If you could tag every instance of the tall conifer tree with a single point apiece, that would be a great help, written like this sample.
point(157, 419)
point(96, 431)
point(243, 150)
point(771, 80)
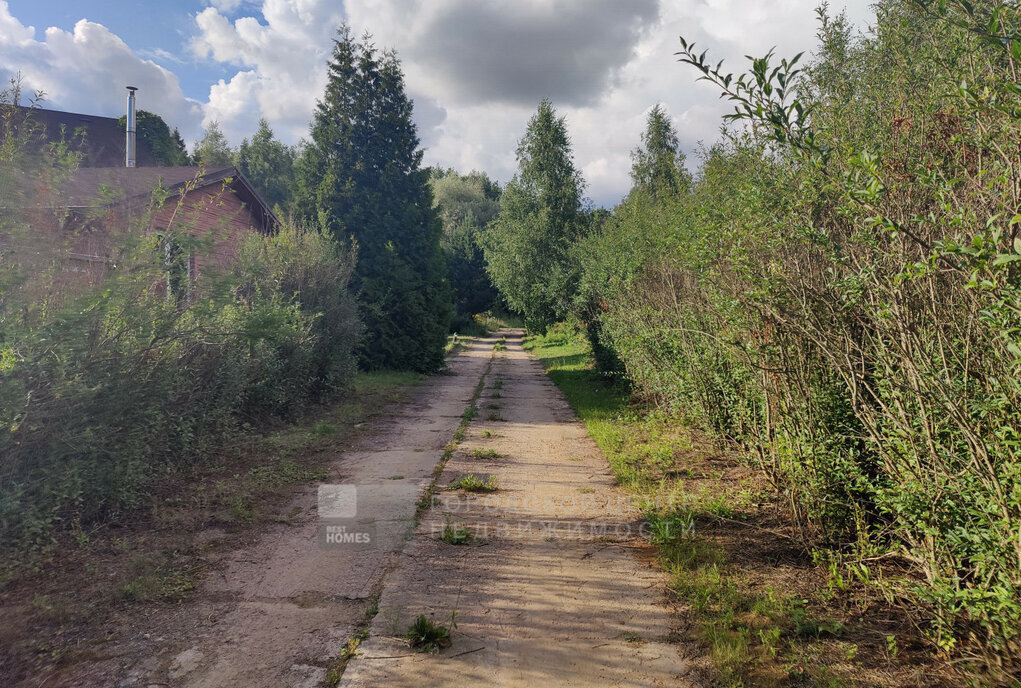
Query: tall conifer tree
point(360, 177)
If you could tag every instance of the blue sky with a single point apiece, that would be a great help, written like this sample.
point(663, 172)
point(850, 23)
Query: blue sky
point(476, 69)
point(156, 30)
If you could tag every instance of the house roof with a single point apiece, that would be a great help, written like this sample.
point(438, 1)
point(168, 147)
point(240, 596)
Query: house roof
point(104, 137)
point(90, 187)
point(133, 187)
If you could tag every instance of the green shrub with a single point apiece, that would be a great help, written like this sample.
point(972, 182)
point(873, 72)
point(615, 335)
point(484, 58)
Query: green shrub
point(104, 390)
point(840, 293)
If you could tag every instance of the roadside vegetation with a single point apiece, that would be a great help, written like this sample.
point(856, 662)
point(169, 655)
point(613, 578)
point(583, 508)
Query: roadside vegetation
point(111, 390)
point(835, 296)
point(815, 337)
point(110, 387)
point(768, 612)
point(101, 575)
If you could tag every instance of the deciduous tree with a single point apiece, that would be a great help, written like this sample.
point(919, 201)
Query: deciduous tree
point(467, 204)
point(658, 164)
point(528, 248)
point(269, 165)
point(167, 146)
point(212, 150)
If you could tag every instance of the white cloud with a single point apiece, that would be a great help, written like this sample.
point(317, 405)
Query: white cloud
point(226, 6)
point(282, 60)
point(475, 68)
point(482, 128)
point(86, 70)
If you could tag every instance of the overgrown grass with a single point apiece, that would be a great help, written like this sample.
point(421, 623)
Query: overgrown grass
point(456, 343)
point(754, 636)
point(234, 487)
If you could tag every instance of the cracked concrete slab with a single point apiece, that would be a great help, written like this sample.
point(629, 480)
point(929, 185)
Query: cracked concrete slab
point(557, 587)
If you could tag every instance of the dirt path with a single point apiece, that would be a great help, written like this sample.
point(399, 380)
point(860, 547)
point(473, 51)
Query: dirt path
point(556, 589)
point(298, 602)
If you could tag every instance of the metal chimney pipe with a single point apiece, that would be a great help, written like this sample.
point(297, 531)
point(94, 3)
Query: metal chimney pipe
point(129, 145)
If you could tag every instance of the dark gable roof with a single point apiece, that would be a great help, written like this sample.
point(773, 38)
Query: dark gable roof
point(93, 187)
point(104, 137)
point(103, 180)
point(129, 188)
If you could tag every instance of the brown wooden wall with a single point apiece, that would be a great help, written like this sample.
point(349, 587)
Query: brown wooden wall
point(68, 252)
point(214, 213)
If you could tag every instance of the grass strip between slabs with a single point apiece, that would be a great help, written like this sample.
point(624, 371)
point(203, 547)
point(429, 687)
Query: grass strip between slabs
point(361, 632)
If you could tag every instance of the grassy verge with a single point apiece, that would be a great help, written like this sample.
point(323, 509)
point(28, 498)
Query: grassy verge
point(766, 613)
point(248, 482)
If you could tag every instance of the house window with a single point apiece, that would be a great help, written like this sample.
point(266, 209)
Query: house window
point(179, 265)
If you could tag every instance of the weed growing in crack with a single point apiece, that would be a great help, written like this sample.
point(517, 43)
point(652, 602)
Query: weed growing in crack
point(485, 454)
point(427, 636)
point(455, 535)
point(473, 483)
point(336, 672)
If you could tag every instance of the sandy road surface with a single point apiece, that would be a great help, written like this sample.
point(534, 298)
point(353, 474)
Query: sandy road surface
point(558, 587)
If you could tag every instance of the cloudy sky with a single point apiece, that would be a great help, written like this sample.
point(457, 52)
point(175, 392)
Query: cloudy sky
point(476, 69)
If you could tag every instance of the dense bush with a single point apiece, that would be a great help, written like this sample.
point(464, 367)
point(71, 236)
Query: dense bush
point(105, 390)
point(841, 293)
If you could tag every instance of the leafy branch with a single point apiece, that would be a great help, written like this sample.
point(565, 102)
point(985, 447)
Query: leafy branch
point(765, 95)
